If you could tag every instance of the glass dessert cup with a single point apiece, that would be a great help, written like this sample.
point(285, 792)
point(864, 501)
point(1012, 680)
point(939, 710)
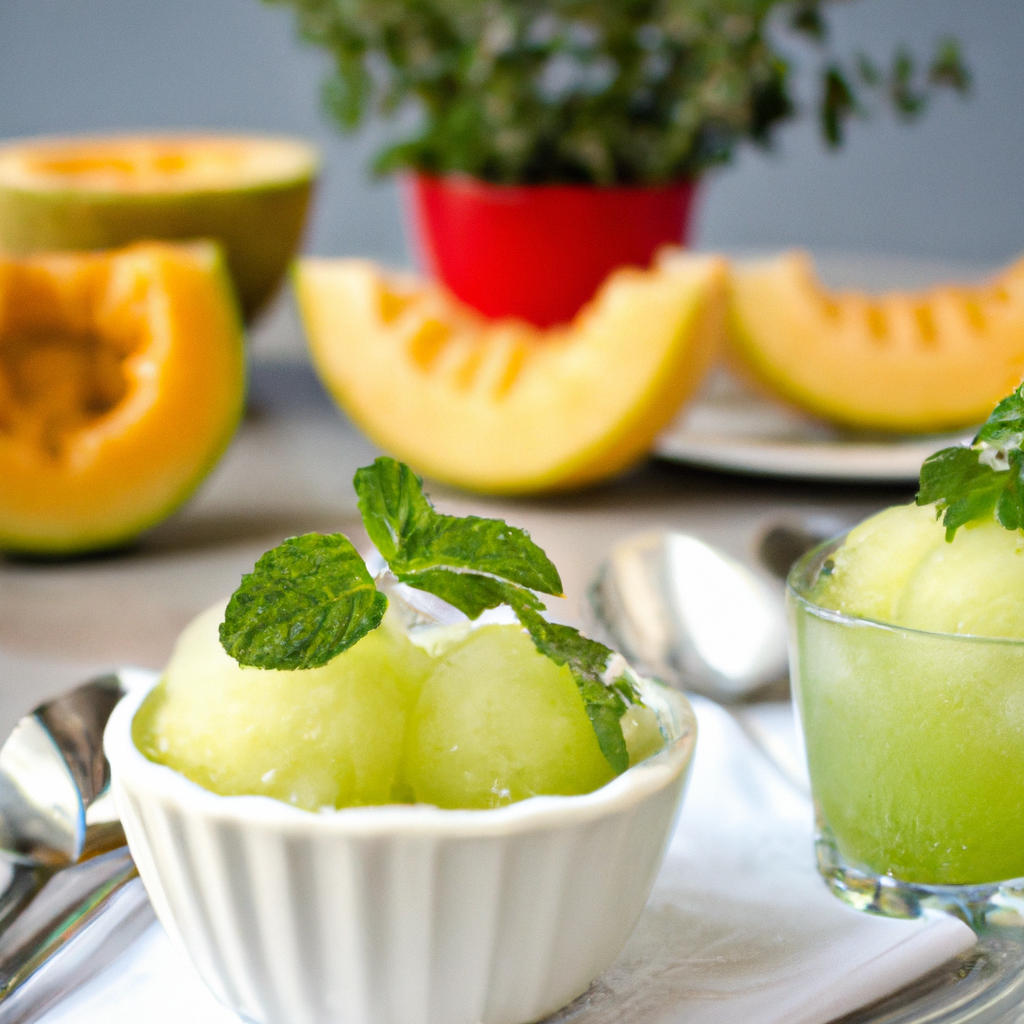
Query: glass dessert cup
point(915, 750)
point(405, 912)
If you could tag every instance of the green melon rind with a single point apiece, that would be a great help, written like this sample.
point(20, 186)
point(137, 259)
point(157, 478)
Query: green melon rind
point(259, 226)
point(93, 541)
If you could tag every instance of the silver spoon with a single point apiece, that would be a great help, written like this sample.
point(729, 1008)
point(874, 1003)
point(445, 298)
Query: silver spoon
point(688, 613)
point(684, 611)
point(54, 779)
point(73, 888)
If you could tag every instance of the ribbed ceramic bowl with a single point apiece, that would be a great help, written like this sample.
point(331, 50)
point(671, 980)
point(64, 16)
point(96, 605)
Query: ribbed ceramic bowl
point(400, 914)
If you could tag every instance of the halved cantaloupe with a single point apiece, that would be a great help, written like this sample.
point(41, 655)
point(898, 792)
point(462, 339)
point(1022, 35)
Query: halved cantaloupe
point(248, 193)
point(500, 406)
point(122, 380)
point(904, 361)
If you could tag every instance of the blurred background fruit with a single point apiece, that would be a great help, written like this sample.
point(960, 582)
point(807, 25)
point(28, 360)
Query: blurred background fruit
point(248, 193)
point(499, 406)
point(121, 383)
point(932, 360)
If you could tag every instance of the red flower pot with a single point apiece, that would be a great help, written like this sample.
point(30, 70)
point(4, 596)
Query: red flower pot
point(539, 252)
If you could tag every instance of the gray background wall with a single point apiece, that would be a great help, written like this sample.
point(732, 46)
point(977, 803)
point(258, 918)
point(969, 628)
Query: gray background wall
point(948, 188)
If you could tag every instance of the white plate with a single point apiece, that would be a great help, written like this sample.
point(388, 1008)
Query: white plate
point(729, 427)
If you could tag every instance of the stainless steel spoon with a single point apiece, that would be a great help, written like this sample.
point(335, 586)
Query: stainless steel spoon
point(73, 900)
point(688, 613)
point(52, 773)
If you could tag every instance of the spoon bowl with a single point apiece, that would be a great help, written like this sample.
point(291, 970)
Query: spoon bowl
point(54, 780)
point(685, 612)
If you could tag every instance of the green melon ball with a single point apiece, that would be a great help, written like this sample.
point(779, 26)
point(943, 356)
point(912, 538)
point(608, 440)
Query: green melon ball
point(974, 585)
point(498, 722)
point(897, 567)
point(873, 567)
point(324, 737)
point(642, 732)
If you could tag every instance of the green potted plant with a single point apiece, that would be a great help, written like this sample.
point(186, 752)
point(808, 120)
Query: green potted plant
point(552, 140)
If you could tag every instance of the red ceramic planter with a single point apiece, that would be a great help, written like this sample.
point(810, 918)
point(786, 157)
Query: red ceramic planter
point(539, 252)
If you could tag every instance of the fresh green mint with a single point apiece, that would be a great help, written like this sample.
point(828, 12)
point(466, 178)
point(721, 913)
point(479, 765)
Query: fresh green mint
point(969, 484)
point(305, 602)
point(415, 539)
point(311, 597)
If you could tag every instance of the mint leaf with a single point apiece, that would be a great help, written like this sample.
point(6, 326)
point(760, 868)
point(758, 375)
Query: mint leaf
point(1010, 506)
point(414, 538)
point(588, 661)
point(305, 602)
point(471, 593)
point(962, 487)
point(968, 484)
point(1005, 427)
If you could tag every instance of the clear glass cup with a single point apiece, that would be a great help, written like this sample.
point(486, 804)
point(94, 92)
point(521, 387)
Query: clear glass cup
point(915, 748)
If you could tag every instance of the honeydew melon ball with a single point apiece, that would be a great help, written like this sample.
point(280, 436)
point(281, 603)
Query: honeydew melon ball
point(974, 585)
point(897, 567)
point(873, 567)
point(323, 737)
point(497, 722)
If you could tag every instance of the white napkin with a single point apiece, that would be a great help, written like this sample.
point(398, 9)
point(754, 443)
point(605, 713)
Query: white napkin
point(739, 926)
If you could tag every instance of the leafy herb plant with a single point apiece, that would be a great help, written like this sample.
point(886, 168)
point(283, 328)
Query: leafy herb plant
point(969, 484)
point(312, 597)
point(592, 91)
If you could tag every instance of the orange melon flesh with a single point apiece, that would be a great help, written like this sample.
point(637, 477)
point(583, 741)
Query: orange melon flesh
point(500, 406)
point(121, 382)
point(923, 361)
point(250, 194)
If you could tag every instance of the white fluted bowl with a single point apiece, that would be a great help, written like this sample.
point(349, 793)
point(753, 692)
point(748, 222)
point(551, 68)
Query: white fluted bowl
point(400, 914)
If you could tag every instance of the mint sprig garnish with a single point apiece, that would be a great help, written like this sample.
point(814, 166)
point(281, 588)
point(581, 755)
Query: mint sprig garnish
point(311, 597)
point(305, 602)
point(968, 484)
point(413, 537)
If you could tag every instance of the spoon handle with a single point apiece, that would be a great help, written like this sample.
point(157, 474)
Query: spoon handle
point(79, 922)
point(26, 881)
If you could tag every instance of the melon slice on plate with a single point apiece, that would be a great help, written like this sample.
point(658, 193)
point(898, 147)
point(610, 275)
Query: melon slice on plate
point(249, 193)
point(937, 359)
point(122, 379)
point(497, 405)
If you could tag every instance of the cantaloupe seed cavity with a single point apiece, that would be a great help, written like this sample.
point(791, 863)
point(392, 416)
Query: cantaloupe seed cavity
point(57, 380)
point(55, 384)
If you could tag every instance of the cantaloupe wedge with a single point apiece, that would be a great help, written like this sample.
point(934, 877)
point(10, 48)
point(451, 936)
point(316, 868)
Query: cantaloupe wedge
point(904, 361)
point(500, 406)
